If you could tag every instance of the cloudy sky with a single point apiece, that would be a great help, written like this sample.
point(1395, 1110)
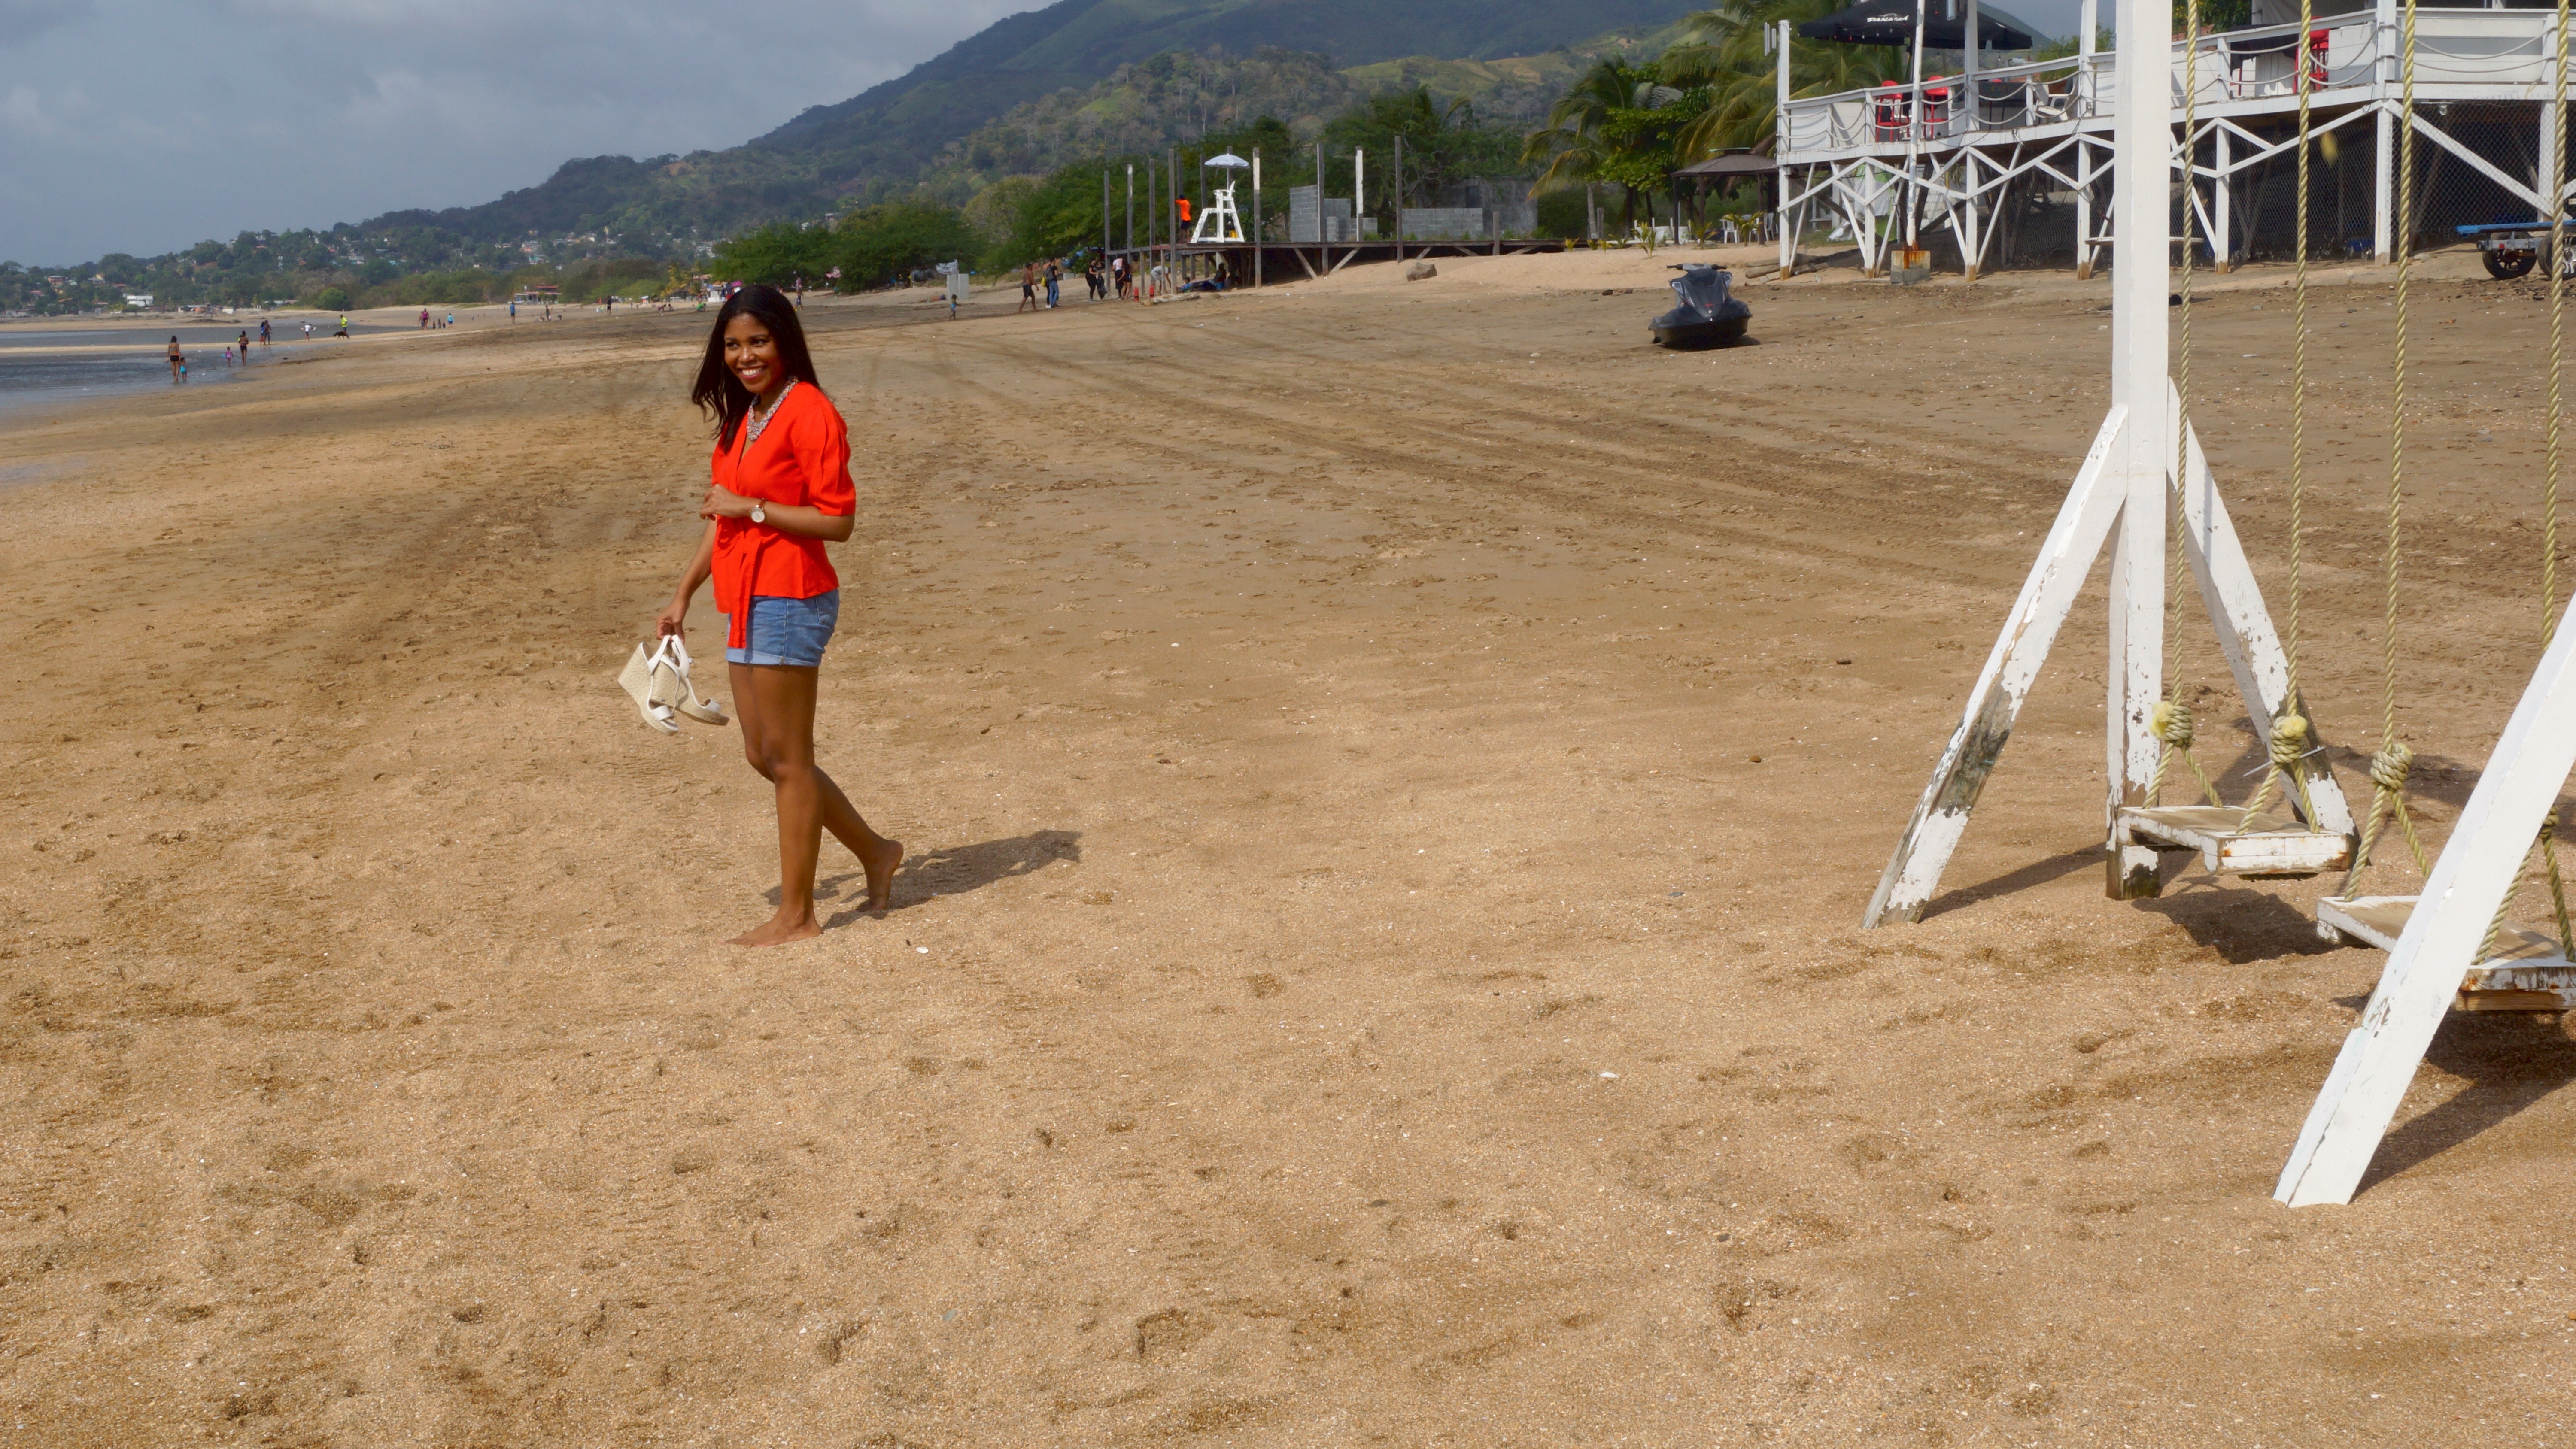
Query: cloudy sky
point(147, 125)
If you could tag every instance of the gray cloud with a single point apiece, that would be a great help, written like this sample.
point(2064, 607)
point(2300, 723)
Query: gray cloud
point(24, 20)
point(129, 125)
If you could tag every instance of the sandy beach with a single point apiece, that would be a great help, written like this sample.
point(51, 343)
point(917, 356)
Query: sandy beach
point(1392, 774)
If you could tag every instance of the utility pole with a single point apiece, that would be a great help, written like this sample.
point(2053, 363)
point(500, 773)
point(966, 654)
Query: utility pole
point(1256, 217)
point(1323, 228)
point(1399, 197)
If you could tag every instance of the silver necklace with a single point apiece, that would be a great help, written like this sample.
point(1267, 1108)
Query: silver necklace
point(760, 419)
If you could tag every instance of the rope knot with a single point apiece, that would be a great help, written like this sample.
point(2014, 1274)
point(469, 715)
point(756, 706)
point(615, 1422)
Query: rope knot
point(2170, 721)
point(2388, 768)
point(2289, 742)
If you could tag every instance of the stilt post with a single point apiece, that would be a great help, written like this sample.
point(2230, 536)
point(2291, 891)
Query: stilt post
point(2222, 249)
point(1779, 148)
point(2383, 123)
point(2088, 23)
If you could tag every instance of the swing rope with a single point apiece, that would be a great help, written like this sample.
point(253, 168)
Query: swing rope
point(2182, 377)
point(2549, 488)
point(2299, 378)
point(2393, 760)
point(2289, 742)
point(2557, 317)
point(2170, 721)
point(2546, 843)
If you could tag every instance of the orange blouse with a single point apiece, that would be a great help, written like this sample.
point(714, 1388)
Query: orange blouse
point(802, 459)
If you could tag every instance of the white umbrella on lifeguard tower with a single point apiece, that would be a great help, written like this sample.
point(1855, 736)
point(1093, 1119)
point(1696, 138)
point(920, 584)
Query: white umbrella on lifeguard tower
point(1221, 222)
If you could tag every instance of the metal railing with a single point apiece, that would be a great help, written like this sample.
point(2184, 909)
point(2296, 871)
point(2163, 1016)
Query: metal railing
point(2498, 52)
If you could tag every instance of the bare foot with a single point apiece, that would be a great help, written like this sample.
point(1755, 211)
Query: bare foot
point(780, 929)
point(880, 869)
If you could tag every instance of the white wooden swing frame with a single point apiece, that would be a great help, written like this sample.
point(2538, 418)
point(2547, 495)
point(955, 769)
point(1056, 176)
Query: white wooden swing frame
point(2119, 498)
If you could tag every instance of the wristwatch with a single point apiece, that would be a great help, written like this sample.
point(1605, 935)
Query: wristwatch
point(757, 516)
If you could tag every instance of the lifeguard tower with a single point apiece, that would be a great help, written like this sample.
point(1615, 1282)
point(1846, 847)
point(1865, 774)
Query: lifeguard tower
point(1221, 223)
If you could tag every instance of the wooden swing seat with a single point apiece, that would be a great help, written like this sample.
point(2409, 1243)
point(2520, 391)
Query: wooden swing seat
point(2527, 972)
point(2271, 845)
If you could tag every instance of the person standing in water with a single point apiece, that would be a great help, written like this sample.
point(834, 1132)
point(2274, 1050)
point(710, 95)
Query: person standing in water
point(780, 491)
point(178, 359)
point(263, 332)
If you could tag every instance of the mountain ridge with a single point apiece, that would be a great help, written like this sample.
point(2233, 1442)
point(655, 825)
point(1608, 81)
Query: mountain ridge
point(884, 140)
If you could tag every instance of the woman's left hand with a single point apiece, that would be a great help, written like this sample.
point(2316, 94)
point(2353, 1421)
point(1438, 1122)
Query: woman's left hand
point(725, 503)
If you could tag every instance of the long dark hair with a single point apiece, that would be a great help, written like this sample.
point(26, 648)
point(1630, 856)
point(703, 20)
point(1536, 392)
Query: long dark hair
point(718, 391)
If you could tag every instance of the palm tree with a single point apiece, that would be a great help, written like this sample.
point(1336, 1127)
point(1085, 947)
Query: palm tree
point(1440, 139)
point(1722, 49)
point(1616, 126)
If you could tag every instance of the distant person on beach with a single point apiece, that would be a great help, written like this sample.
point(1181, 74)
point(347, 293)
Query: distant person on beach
point(308, 331)
point(800, 293)
point(514, 309)
point(245, 346)
point(344, 326)
point(424, 319)
point(178, 360)
point(1055, 280)
point(263, 332)
point(780, 491)
point(1094, 286)
point(1028, 290)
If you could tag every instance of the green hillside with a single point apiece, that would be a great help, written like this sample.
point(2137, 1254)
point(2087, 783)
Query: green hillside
point(1022, 98)
point(1174, 98)
point(889, 138)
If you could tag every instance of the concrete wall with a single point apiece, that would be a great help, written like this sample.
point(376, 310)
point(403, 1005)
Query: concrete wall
point(1307, 221)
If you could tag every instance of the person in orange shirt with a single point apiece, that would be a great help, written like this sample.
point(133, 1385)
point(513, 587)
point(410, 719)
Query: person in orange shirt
point(780, 490)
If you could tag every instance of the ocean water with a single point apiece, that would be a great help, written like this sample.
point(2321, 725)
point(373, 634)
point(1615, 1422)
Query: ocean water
point(60, 365)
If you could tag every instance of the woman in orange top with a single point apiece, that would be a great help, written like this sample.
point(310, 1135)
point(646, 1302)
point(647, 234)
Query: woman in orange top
point(781, 490)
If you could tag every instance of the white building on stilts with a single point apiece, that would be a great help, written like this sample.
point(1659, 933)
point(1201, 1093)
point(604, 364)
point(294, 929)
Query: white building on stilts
point(2010, 164)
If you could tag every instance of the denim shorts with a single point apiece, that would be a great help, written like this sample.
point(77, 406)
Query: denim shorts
point(788, 631)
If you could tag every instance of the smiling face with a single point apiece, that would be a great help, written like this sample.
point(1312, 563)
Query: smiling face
point(752, 353)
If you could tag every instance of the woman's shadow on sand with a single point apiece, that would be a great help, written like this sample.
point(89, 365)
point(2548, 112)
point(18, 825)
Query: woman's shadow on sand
point(955, 870)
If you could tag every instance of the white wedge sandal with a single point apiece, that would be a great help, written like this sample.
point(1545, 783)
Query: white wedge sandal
point(639, 679)
point(671, 684)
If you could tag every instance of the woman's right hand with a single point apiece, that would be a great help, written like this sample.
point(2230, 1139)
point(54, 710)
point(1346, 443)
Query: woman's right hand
point(674, 620)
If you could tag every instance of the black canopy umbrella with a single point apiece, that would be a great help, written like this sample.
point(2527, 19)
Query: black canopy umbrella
point(1891, 22)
